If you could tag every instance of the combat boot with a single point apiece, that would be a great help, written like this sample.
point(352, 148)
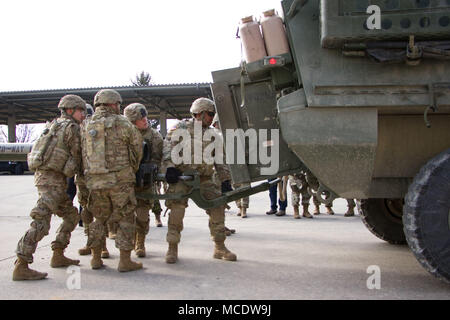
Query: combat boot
point(229, 232)
point(330, 211)
point(112, 230)
point(125, 262)
point(306, 213)
point(158, 221)
point(22, 272)
point(172, 253)
point(59, 260)
point(140, 245)
point(105, 252)
point(271, 211)
point(96, 261)
point(221, 252)
point(316, 211)
point(240, 212)
point(244, 212)
point(349, 213)
point(296, 213)
point(281, 213)
point(85, 251)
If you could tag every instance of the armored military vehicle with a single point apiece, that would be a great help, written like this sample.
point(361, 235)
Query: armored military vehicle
point(362, 101)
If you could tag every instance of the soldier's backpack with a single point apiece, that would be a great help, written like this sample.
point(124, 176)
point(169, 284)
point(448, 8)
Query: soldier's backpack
point(48, 151)
point(95, 145)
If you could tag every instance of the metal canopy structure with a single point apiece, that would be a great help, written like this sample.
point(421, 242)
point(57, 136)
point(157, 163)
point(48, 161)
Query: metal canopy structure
point(41, 106)
point(162, 101)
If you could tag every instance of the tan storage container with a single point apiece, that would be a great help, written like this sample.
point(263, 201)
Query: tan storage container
point(252, 41)
point(274, 33)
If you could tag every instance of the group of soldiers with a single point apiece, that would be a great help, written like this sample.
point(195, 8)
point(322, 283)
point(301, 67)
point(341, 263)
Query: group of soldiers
point(304, 186)
point(104, 152)
point(301, 185)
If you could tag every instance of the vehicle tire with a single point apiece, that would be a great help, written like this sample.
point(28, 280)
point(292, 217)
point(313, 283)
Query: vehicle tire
point(383, 217)
point(18, 169)
point(426, 216)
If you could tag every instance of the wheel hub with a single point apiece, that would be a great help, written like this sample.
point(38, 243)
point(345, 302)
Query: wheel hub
point(395, 208)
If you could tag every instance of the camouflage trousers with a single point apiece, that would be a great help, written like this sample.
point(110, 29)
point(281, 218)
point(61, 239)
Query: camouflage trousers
point(317, 203)
point(143, 216)
point(117, 205)
point(86, 216)
point(351, 203)
point(297, 192)
point(156, 209)
point(244, 202)
point(177, 208)
point(52, 199)
point(305, 196)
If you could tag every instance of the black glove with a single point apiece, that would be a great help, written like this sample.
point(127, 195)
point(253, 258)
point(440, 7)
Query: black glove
point(172, 175)
point(226, 186)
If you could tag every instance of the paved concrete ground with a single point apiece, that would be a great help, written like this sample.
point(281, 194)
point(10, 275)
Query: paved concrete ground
point(278, 258)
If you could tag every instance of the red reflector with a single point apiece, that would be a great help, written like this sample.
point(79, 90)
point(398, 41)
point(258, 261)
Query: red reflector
point(273, 61)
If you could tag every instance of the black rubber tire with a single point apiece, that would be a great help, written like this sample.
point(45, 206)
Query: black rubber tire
point(381, 221)
point(426, 216)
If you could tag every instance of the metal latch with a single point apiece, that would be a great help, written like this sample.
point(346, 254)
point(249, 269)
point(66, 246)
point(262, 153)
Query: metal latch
point(433, 104)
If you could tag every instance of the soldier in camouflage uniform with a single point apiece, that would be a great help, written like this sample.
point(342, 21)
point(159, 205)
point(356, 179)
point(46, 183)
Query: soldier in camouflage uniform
point(86, 215)
point(112, 150)
point(203, 111)
point(156, 209)
point(299, 186)
point(350, 208)
point(328, 207)
point(136, 113)
point(61, 160)
point(314, 183)
point(242, 204)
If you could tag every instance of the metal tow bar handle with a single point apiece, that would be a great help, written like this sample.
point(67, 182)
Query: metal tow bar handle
point(192, 179)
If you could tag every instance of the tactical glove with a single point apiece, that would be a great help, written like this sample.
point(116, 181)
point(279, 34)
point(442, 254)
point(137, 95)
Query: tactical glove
point(172, 175)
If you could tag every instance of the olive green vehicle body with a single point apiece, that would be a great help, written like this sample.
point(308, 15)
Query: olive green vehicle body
point(358, 125)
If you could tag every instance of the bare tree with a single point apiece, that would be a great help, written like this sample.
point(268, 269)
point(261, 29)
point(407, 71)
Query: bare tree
point(2, 135)
point(25, 133)
point(144, 79)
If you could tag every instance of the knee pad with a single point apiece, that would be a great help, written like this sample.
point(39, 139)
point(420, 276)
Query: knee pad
point(39, 229)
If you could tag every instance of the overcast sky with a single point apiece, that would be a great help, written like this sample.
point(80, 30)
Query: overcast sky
point(49, 44)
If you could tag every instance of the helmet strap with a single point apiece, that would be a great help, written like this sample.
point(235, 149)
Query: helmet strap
point(64, 112)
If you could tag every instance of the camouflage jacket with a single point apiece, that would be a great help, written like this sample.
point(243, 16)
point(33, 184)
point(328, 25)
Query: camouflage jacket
point(155, 141)
point(72, 144)
point(111, 149)
point(205, 166)
point(298, 180)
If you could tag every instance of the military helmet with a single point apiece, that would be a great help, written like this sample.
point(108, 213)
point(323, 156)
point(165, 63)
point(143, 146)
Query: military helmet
point(107, 96)
point(71, 101)
point(135, 112)
point(202, 104)
point(89, 109)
